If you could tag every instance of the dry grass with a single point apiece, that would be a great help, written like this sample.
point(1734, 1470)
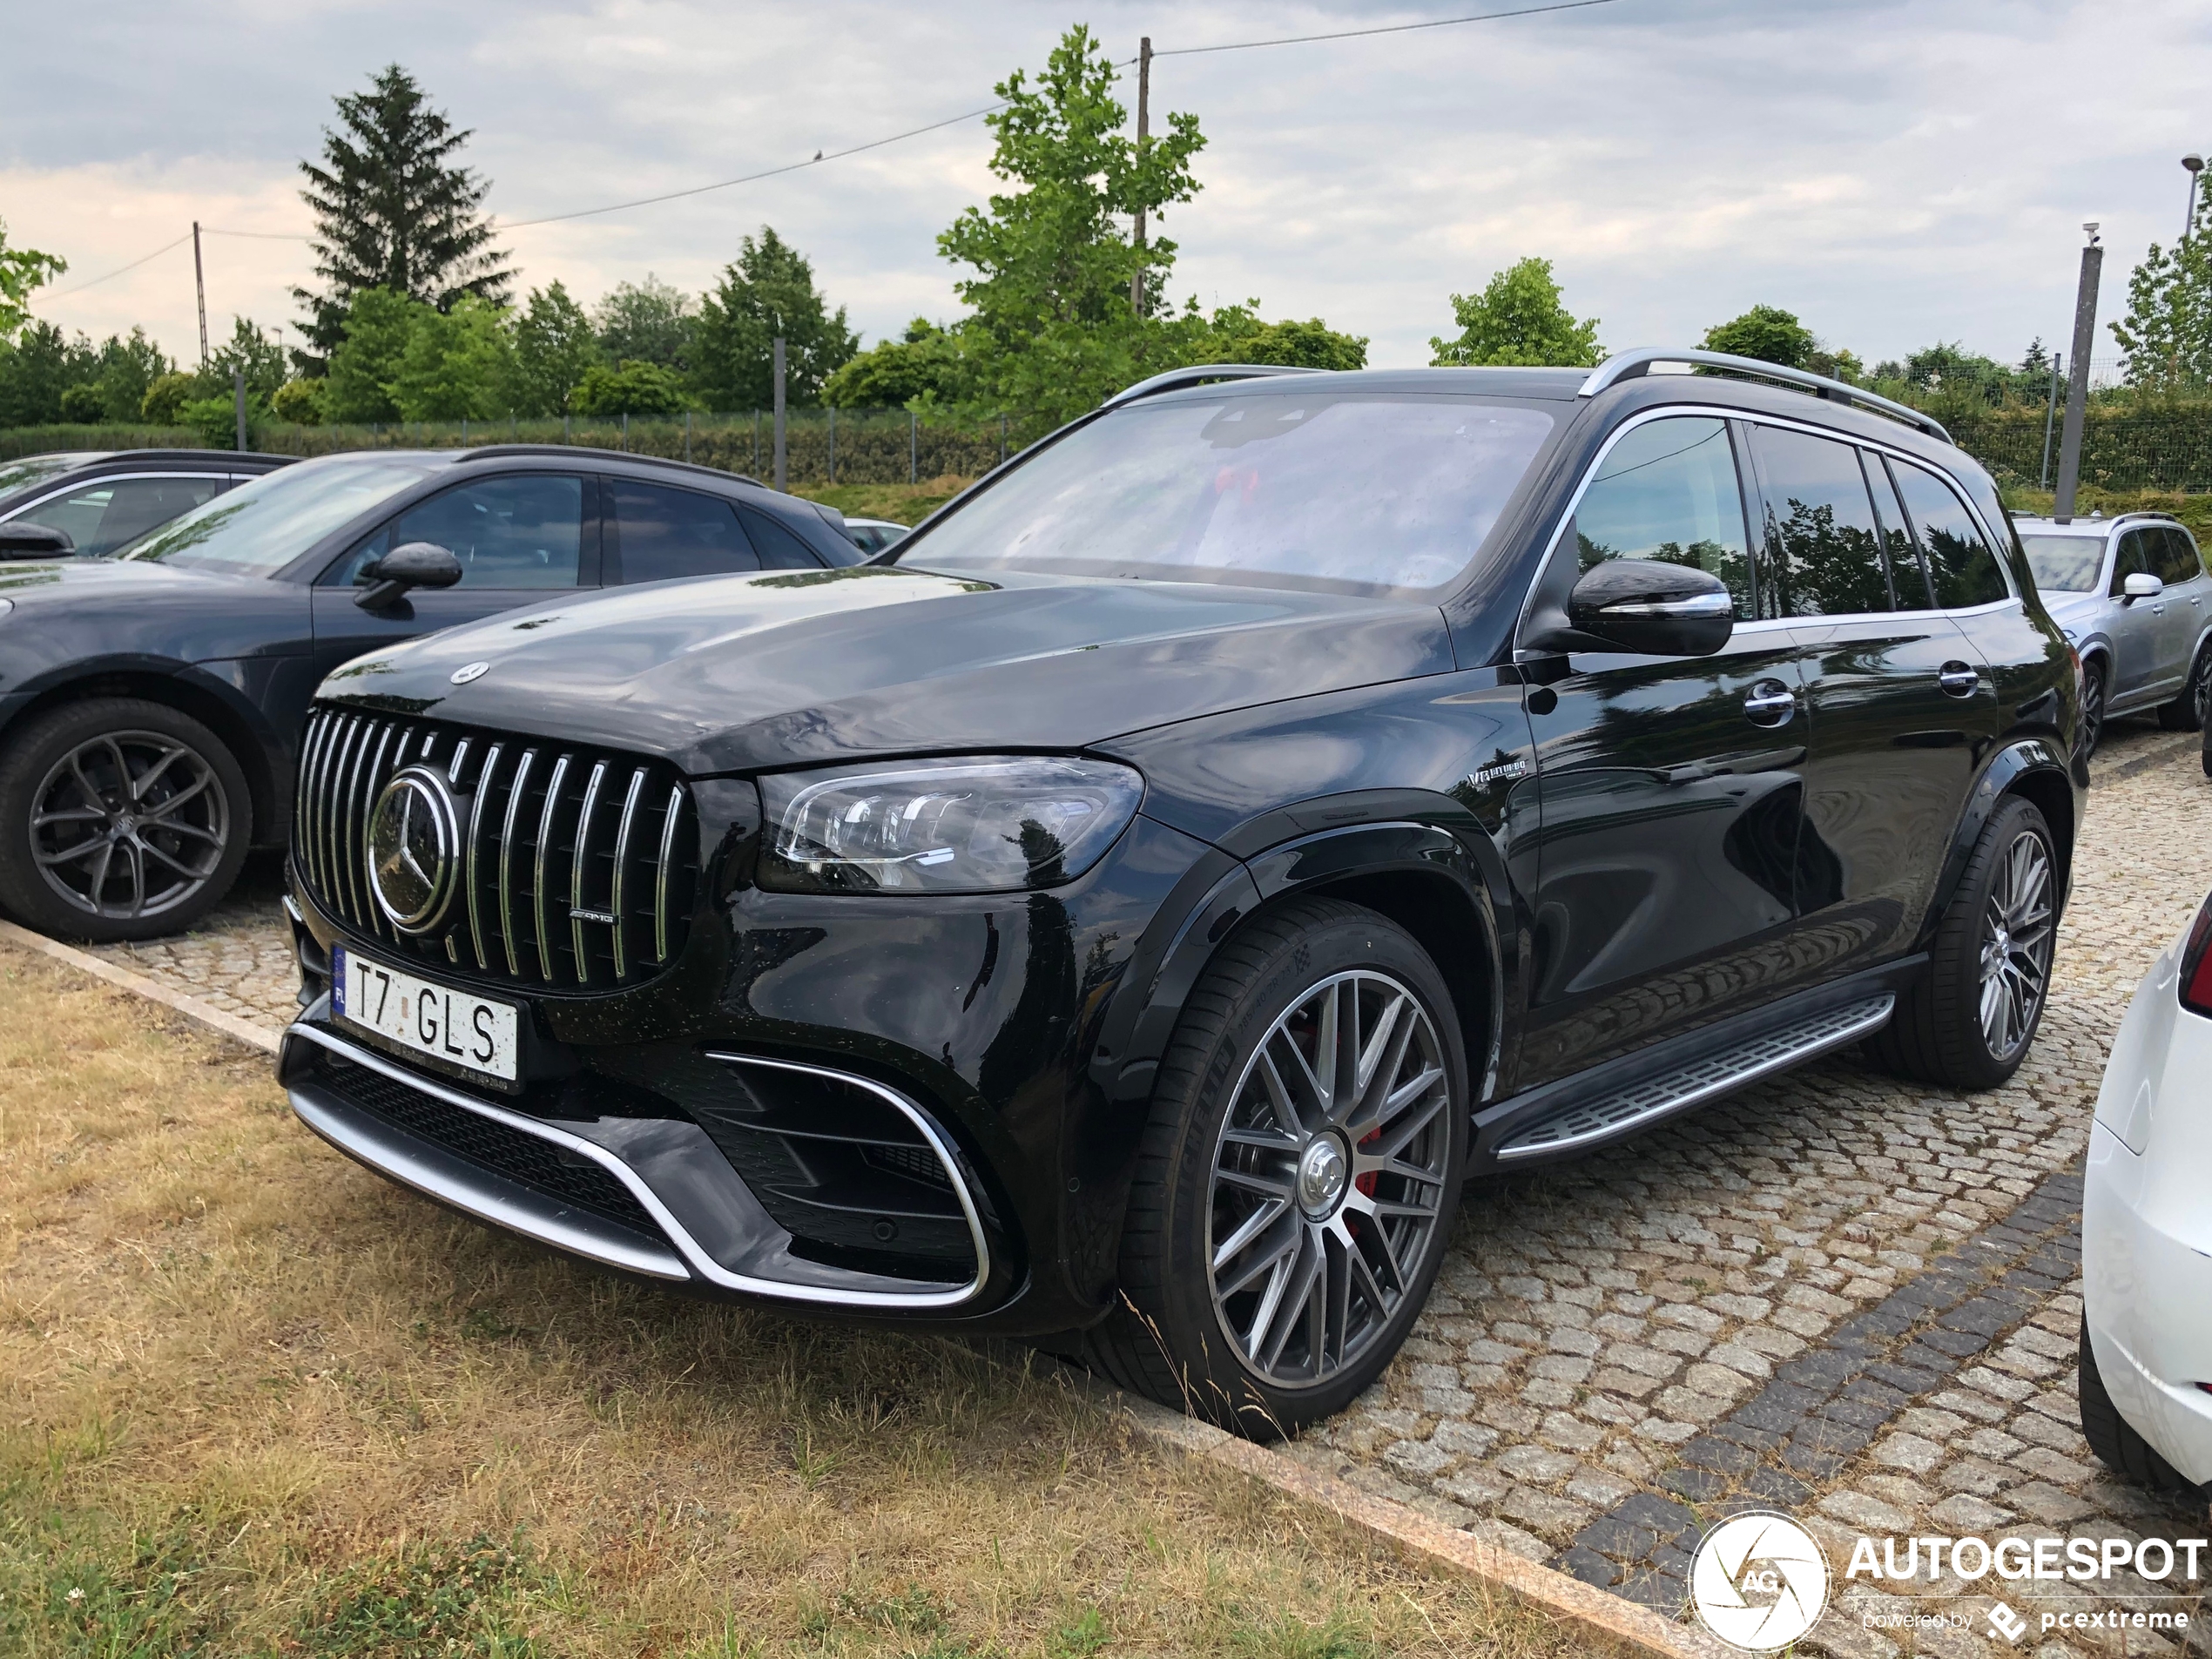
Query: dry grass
point(900, 503)
point(254, 1401)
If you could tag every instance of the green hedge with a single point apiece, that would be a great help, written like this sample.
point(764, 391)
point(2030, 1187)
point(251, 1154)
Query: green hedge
point(19, 440)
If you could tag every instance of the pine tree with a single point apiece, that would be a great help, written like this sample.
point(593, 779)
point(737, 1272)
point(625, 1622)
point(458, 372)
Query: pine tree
point(393, 212)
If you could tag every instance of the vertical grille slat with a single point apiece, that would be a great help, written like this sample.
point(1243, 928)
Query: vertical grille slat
point(524, 808)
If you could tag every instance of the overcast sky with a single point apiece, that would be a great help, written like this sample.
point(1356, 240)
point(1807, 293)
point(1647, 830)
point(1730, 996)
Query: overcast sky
point(1896, 171)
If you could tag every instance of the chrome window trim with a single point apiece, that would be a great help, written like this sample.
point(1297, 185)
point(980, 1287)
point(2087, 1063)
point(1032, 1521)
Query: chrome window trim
point(694, 1258)
point(1716, 412)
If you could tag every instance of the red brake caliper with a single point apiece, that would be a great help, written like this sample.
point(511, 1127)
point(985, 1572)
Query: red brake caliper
point(1367, 1183)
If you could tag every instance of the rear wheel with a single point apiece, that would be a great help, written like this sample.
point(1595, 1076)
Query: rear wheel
point(1968, 1021)
point(2117, 1445)
point(120, 818)
point(2092, 704)
point(1298, 1178)
point(2188, 711)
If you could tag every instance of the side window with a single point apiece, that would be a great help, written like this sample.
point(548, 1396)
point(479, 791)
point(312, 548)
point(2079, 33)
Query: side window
point(780, 549)
point(2133, 559)
point(523, 531)
point(1668, 490)
point(663, 533)
point(1907, 579)
point(2181, 562)
point(1962, 568)
point(103, 516)
point(1826, 554)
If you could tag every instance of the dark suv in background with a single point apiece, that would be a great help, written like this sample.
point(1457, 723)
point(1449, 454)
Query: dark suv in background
point(93, 502)
point(1125, 911)
point(151, 702)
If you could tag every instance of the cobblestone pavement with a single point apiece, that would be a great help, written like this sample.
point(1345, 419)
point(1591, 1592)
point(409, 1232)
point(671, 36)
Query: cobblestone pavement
point(1848, 1297)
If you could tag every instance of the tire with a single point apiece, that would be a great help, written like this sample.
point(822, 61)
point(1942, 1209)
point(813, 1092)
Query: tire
point(2127, 1453)
point(1183, 1334)
point(2092, 704)
point(119, 819)
point(1946, 1029)
point(2187, 712)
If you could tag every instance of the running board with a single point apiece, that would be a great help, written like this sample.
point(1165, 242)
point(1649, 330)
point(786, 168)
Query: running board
point(1701, 1080)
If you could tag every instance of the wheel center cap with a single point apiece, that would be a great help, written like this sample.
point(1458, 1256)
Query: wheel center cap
point(1321, 1172)
point(2002, 945)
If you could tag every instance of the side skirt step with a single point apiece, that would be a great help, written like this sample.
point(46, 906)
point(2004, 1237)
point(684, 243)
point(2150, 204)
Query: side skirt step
point(1684, 1086)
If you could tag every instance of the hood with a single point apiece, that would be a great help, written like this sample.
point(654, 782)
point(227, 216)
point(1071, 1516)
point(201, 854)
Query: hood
point(2080, 611)
point(68, 611)
point(728, 674)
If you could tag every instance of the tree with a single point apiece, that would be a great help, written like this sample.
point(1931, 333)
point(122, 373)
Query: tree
point(2167, 332)
point(125, 368)
point(1767, 333)
point(554, 349)
point(164, 401)
point(22, 270)
point(767, 291)
point(456, 365)
point(250, 349)
point(300, 401)
point(925, 363)
point(36, 370)
point(1239, 336)
point(650, 322)
point(365, 367)
point(394, 211)
point(1053, 330)
point(630, 388)
point(1518, 319)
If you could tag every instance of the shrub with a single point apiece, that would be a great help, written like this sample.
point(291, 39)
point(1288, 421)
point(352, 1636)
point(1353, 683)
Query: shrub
point(166, 399)
point(299, 402)
point(216, 421)
point(632, 388)
point(82, 404)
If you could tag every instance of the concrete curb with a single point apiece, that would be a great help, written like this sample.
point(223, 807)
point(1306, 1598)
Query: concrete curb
point(204, 1014)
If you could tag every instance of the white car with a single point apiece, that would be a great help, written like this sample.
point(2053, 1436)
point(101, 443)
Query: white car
point(874, 535)
point(2145, 1377)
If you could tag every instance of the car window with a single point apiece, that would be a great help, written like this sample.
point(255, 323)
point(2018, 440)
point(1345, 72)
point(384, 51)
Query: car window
point(1907, 580)
point(2065, 563)
point(1667, 491)
point(2180, 562)
point(2131, 560)
point(522, 531)
point(1334, 491)
point(36, 469)
point(663, 534)
point(1961, 566)
point(1825, 558)
point(779, 545)
point(258, 527)
point(102, 515)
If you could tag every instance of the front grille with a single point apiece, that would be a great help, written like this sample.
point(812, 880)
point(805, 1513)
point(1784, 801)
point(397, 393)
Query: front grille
point(491, 1145)
point(576, 871)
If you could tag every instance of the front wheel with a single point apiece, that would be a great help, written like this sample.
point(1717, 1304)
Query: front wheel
point(1299, 1176)
point(120, 818)
point(2189, 712)
point(1969, 1021)
point(2092, 704)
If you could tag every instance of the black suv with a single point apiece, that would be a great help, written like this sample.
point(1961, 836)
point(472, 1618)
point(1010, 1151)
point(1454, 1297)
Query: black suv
point(1124, 913)
point(151, 702)
point(93, 502)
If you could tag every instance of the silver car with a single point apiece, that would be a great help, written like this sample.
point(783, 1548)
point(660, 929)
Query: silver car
point(2132, 595)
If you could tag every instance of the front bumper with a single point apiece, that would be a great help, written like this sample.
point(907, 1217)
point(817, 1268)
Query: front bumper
point(2146, 1224)
point(970, 1026)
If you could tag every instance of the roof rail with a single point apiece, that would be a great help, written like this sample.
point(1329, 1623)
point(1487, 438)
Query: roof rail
point(1630, 365)
point(508, 451)
point(1198, 375)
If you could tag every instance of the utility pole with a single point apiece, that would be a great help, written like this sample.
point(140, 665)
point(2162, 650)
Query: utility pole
point(2077, 390)
point(1143, 132)
point(2196, 164)
point(199, 281)
point(780, 411)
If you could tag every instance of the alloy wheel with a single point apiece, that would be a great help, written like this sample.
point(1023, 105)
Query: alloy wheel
point(2016, 940)
point(2093, 709)
point(1328, 1179)
point(128, 823)
point(2200, 691)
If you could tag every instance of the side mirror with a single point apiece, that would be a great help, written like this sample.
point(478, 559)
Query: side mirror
point(1646, 607)
point(23, 541)
point(412, 564)
point(2141, 586)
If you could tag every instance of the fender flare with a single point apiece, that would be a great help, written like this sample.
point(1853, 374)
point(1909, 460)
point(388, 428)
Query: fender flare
point(1999, 776)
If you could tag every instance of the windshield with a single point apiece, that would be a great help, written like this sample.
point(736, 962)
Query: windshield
point(33, 469)
point(2065, 563)
point(1343, 493)
point(261, 527)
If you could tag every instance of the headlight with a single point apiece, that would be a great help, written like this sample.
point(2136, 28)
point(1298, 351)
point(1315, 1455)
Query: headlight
point(984, 824)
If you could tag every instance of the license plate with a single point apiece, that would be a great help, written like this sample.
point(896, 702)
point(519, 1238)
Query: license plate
point(456, 1026)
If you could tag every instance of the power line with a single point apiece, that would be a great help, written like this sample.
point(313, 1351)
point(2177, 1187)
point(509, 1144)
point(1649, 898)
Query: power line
point(62, 292)
point(1384, 29)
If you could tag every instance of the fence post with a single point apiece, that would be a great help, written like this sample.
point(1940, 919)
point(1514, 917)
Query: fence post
point(2050, 416)
point(238, 396)
point(914, 448)
point(1001, 441)
point(465, 432)
point(687, 434)
point(755, 468)
point(779, 412)
point(832, 441)
point(625, 432)
point(565, 436)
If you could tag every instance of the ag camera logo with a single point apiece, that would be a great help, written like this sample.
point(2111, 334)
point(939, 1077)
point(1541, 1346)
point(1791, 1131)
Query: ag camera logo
point(1759, 1582)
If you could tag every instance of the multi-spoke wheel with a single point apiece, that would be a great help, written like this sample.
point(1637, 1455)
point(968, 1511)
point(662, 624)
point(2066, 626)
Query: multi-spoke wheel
point(1969, 1021)
point(2017, 932)
point(2189, 712)
point(2092, 704)
point(1298, 1175)
point(122, 820)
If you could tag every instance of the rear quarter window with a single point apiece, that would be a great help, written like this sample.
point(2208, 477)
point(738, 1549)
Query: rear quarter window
point(1962, 566)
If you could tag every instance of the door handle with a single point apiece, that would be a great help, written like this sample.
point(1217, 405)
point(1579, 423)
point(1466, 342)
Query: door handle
point(1958, 680)
point(1769, 703)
